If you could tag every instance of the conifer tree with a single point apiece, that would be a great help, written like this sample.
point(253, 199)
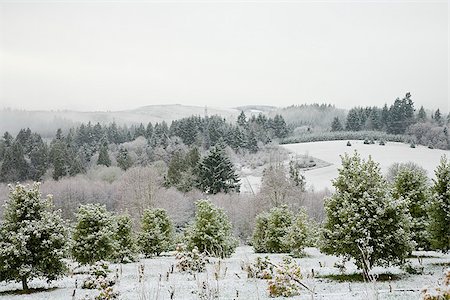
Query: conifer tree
point(211, 231)
point(124, 160)
point(33, 238)
point(156, 232)
point(103, 156)
point(411, 185)
point(14, 167)
point(363, 221)
point(421, 115)
point(242, 120)
point(125, 242)
point(336, 125)
point(216, 173)
point(439, 210)
point(93, 236)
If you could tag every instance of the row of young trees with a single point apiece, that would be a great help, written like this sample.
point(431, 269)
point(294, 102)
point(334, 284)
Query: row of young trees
point(35, 240)
point(29, 157)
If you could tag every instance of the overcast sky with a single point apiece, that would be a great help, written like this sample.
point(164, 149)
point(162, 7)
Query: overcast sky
point(113, 56)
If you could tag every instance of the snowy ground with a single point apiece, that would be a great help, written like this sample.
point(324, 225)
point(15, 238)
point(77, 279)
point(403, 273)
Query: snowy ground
point(234, 284)
point(330, 151)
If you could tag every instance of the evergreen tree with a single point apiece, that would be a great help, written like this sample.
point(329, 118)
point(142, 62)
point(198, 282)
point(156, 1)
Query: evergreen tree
point(39, 157)
point(33, 238)
point(279, 127)
point(336, 125)
point(410, 184)
point(217, 174)
point(103, 156)
point(14, 167)
point(211, 231)
point(149, 131)
point(401, 115)
point(353, 120)
point(93, 236)
point(438, 117)
point(439, 210)
point(422, 115)
point(124, 160)
point(252, 142)
point(384, 117)
point(125, 243)
point(363, 221)
point(242, 120)
point(156, 232)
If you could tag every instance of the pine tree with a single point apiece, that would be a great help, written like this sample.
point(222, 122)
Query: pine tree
point(33, 238)
point(252, 142)
point(242, 120)
point(353, 120)
point(422, 115)
point(103, 156)
point(39, 157)
point(217, 174)
point(279, 127)
point(211, 231)
point(438, 117)
point(156, 232)
point(125, 242)
point(410, 184)
point(336, 125)
point(14, 167)
point(363, 221)
point(93, 236)
point(439, 210)
point(124, 160)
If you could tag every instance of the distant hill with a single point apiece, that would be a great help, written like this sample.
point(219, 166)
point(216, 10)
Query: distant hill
point(46, 122)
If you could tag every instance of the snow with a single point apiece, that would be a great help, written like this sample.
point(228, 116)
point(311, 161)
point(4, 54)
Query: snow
point(233, 280)
point(330, 151)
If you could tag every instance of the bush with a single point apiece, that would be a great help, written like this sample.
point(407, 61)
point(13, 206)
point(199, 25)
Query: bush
point(93, 236)
point(156, 232)
point(125, 243)
point(345, 135)
point(363, 221)
point(279, 231)
point(211, 231)
point(190, 261)
point(262, 268)
point(285, 282)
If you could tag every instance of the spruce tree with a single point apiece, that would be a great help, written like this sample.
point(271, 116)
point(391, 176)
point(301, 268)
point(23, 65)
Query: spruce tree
point(93, 236)
point(242, 120)
point(14, 167)
point(421, 115)
point(156, 232)
point(336, 125)
point(363, 221)
point(124, 160)
point(125, 242)
point(103, 156)
point(33, 237)
point(211, 231)
point(439, 210)
point(217, 174)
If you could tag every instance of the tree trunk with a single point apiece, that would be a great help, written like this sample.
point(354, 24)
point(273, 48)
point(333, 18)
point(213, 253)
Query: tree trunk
point(24, 283)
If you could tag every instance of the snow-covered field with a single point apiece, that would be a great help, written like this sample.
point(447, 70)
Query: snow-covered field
point(233, 283)
point(330, 151)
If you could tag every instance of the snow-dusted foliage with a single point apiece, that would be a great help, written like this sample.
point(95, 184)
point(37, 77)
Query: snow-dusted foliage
point(411, 184)
point(93, 236)
point(439, 211)
point(156, 232)
point(99, 276)
point(33, 238)
point(125, 243)
point(280, 231)
point(286, 280)
point(190, 261)
point(262, 268)
point(363, 221)
point(211, 231)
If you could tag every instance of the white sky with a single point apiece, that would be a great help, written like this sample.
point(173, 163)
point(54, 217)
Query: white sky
point(118, 55)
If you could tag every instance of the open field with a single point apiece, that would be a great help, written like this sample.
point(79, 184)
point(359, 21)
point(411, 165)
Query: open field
point(330, 151)
point(233, 283)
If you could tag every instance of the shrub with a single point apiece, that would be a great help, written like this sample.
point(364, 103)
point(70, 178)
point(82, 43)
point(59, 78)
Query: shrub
point(271, 229)
point(298, 235)
point(363, 221)
point(93, 236)
point(156, 232)
point(349, 144)
point(211, 231)
point(262, 268)
point(33, 239)
point(190, 261)
point(98, 276)
point(441, 292)
point(285, 282)
point(125, 243)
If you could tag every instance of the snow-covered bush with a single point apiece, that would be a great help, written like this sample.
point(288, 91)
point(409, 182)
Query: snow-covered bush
point(93, 236)
point(156, 232)
point(279, 231)
point(98, 276)
point(286, 279)
point(190, 261)
point(363, 221)
point(262, 268)
point(33, 238)
point(125, 243)
point(271, 230)
point(439, 210)
point(211, 231)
